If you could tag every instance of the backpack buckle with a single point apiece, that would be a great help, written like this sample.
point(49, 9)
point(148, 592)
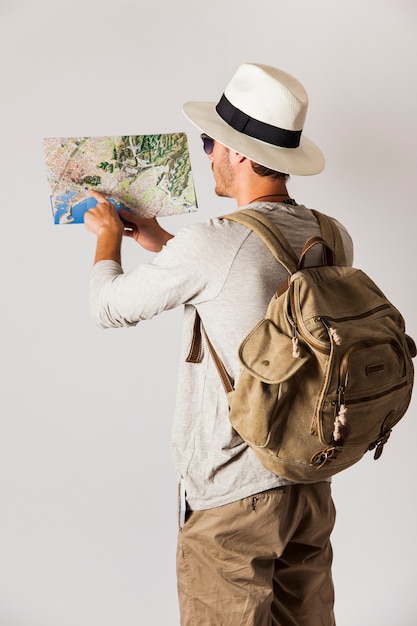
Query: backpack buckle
point(320, 458)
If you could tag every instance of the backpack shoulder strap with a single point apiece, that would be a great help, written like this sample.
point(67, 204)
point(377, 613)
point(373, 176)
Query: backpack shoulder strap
point(331, 234)
point(279, 245)
point(270, 235)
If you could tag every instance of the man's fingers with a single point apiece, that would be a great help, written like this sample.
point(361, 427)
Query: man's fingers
point(135, 218)
point(129, 217)
point(98, 196)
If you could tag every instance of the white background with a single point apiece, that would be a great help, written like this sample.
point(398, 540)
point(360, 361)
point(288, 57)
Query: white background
point(87, 489)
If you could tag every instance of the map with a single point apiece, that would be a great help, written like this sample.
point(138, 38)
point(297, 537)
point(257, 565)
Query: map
point(147, 174)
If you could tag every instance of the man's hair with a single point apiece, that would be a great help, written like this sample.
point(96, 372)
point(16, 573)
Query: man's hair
point(261, 170)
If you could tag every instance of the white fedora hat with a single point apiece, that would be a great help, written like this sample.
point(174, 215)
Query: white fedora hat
point(261, 115)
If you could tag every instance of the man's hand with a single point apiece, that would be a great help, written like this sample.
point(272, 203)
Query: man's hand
point(144, 230)
point(104, 222)
point(103, 217)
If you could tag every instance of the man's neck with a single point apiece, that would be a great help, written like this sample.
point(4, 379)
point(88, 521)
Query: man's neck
point(263, 193)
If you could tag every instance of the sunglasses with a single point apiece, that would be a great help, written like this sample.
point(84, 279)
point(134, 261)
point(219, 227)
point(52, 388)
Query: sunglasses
point(208, 143)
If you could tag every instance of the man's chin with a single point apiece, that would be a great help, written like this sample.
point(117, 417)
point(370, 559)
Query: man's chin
point(221, 193)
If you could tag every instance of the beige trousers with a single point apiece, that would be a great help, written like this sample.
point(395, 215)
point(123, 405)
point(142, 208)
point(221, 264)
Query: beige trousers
point(262, 561)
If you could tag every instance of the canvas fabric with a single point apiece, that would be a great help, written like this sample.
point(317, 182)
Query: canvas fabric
point(328, 372)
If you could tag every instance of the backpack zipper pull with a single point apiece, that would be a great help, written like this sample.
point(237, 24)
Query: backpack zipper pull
point(295, 347)
point(341, 428)
point(333, 332)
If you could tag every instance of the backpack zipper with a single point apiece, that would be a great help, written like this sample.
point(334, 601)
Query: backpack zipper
point(331, 330)
point(375, 396)
point(300, 331)
point(359, 316)
point(344, 371)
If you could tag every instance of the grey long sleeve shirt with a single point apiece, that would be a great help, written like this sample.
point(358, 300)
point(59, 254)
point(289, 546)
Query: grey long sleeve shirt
point(225, 271)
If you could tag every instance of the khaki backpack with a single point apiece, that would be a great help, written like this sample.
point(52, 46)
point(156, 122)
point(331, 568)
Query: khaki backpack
point(327, 373)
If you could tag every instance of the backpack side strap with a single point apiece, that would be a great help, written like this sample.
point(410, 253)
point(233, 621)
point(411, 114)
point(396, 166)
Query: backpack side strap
point(196, 352)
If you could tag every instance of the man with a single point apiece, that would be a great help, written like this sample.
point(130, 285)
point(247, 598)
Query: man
point(253, 548)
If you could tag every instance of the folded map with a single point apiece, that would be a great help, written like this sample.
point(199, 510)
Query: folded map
point(147, 174)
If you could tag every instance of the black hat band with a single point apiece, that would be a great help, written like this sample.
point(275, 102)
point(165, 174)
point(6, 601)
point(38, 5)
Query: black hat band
point(252, 127)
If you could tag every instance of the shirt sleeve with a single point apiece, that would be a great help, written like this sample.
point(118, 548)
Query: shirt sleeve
point(189, 269)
